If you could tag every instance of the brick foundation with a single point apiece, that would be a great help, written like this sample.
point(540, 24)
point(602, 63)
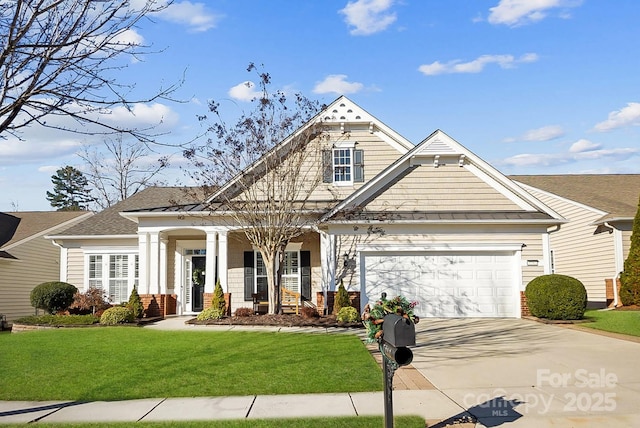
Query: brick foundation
point(354, 297)
point(610, 296)
point(158, 305)
point(208, 297)
point(524, 307)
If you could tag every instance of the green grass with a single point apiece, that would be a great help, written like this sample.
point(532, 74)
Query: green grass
point(127, 362)
point(342, 422)
point(616, 321)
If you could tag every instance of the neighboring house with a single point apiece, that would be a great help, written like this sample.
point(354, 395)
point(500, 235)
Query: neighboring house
point(433, 222)
point(594, 244)
point(29, 259)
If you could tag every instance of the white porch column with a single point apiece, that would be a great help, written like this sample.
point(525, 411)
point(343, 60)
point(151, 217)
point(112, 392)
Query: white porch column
point(162, 266)
point(210, 268)
point(154, 262)
point(328, 263)
point(222, 260)
point(143, 263)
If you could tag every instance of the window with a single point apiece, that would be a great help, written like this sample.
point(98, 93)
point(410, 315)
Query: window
point(116, 274)
point(95, 271)
point(118, 278)
point(343, 166)
point(290, 272)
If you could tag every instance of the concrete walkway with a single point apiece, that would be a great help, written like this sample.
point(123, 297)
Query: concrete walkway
point(487, 373)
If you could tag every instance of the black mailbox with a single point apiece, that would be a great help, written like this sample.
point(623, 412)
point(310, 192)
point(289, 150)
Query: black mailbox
point(398, 331)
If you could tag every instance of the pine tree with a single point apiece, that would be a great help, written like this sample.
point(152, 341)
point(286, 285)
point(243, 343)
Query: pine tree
point(341, 300)
point(630, 278)
point(135, 304)
point(70, 191)
point(218, 299)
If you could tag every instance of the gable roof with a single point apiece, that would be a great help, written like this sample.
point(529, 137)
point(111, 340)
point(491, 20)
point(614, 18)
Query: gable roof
point(110, 223)
point(35, 224)
point(437, 148)
point(615, 194)
point(340, 113)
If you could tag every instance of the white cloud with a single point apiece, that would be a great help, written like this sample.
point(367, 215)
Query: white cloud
point(581, 150)
point(626, 116)
point(368, 16)
point(244, 91)
point(583, 145)
point(546, 133)
point(519, 12)
point(475, 66)
point(337, 83)
point(194, 15)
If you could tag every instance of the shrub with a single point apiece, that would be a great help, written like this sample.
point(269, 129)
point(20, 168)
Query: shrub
point(348, 314)
point(341, 299)
point(90, 302)
point(630, 277)
point(53, 296)
point(117, 315)
point(218, 298)
point(210, 314)
point(244, 312)
point(57, 320)
point(308, 313)
point(556, 297)
point(135, 304)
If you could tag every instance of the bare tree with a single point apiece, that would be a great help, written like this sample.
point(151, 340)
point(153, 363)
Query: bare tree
point(118, 170)
point(60, 58)
point(271, 162)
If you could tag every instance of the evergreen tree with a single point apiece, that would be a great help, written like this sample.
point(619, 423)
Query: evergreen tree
point(341, 300)
point(135, 304)
point(218, 299)
point(630, 278)
point(70, 191)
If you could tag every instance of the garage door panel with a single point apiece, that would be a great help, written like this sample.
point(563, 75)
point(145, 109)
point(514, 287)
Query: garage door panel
point(451, 285)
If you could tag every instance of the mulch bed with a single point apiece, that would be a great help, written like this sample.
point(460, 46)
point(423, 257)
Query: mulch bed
point(286, 320)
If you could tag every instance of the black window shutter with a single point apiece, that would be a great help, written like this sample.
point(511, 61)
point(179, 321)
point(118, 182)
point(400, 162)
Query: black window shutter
point(248, 275)
point(305, 274)
point(358, 166)
point(327, 166)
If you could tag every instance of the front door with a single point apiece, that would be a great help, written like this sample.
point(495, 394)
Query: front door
point(197, 282)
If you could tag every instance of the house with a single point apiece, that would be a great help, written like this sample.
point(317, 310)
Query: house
point(594, 244)
point(431, 221)
point(28, 259)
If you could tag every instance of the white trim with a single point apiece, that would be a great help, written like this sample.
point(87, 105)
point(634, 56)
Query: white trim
point(368, 248)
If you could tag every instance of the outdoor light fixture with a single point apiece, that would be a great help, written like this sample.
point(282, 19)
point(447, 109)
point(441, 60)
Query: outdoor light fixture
point(532, 262)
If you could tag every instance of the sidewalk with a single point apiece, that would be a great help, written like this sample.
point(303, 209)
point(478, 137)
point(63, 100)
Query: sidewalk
point(429, 404)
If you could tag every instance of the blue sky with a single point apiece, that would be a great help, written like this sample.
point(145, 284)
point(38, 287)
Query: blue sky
point(531, 86)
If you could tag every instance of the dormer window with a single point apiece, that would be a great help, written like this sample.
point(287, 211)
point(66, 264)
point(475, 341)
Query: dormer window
point(343, 165)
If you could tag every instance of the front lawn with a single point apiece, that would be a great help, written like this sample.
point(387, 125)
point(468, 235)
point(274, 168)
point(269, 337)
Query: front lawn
point(122, 363)
point(616, 321)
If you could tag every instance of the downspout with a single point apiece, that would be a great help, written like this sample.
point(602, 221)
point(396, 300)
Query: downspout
point(618, 261)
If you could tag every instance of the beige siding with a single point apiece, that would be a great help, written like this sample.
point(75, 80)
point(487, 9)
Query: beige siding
point(38, 262)
point(446, 188)
point(578, 252)
point(626, 243)
point(75, 267)
point(378, 154)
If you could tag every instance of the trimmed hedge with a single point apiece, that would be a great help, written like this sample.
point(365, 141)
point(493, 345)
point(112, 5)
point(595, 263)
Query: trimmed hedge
point(117, 315)
point(556, 297)
point(210, 314)
point(348, 314)
point(53, 296)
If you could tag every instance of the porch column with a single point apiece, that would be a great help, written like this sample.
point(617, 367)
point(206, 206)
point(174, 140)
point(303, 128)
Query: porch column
point(328, 263)
point(162, 265)
point(154, 265)
point(222, 260)
point(210, 267)
point(143, 263)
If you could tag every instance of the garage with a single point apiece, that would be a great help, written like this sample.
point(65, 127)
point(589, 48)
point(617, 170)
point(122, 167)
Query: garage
point(446, 284)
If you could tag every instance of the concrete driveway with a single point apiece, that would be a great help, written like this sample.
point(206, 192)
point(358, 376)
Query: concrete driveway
point(522, 373)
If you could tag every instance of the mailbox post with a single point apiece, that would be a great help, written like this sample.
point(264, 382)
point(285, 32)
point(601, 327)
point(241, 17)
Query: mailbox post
point(397, 334)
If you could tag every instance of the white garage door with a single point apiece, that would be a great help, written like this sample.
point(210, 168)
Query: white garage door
point(460, 284)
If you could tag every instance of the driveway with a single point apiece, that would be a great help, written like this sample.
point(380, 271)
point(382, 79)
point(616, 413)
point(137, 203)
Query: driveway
point(521, 373)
